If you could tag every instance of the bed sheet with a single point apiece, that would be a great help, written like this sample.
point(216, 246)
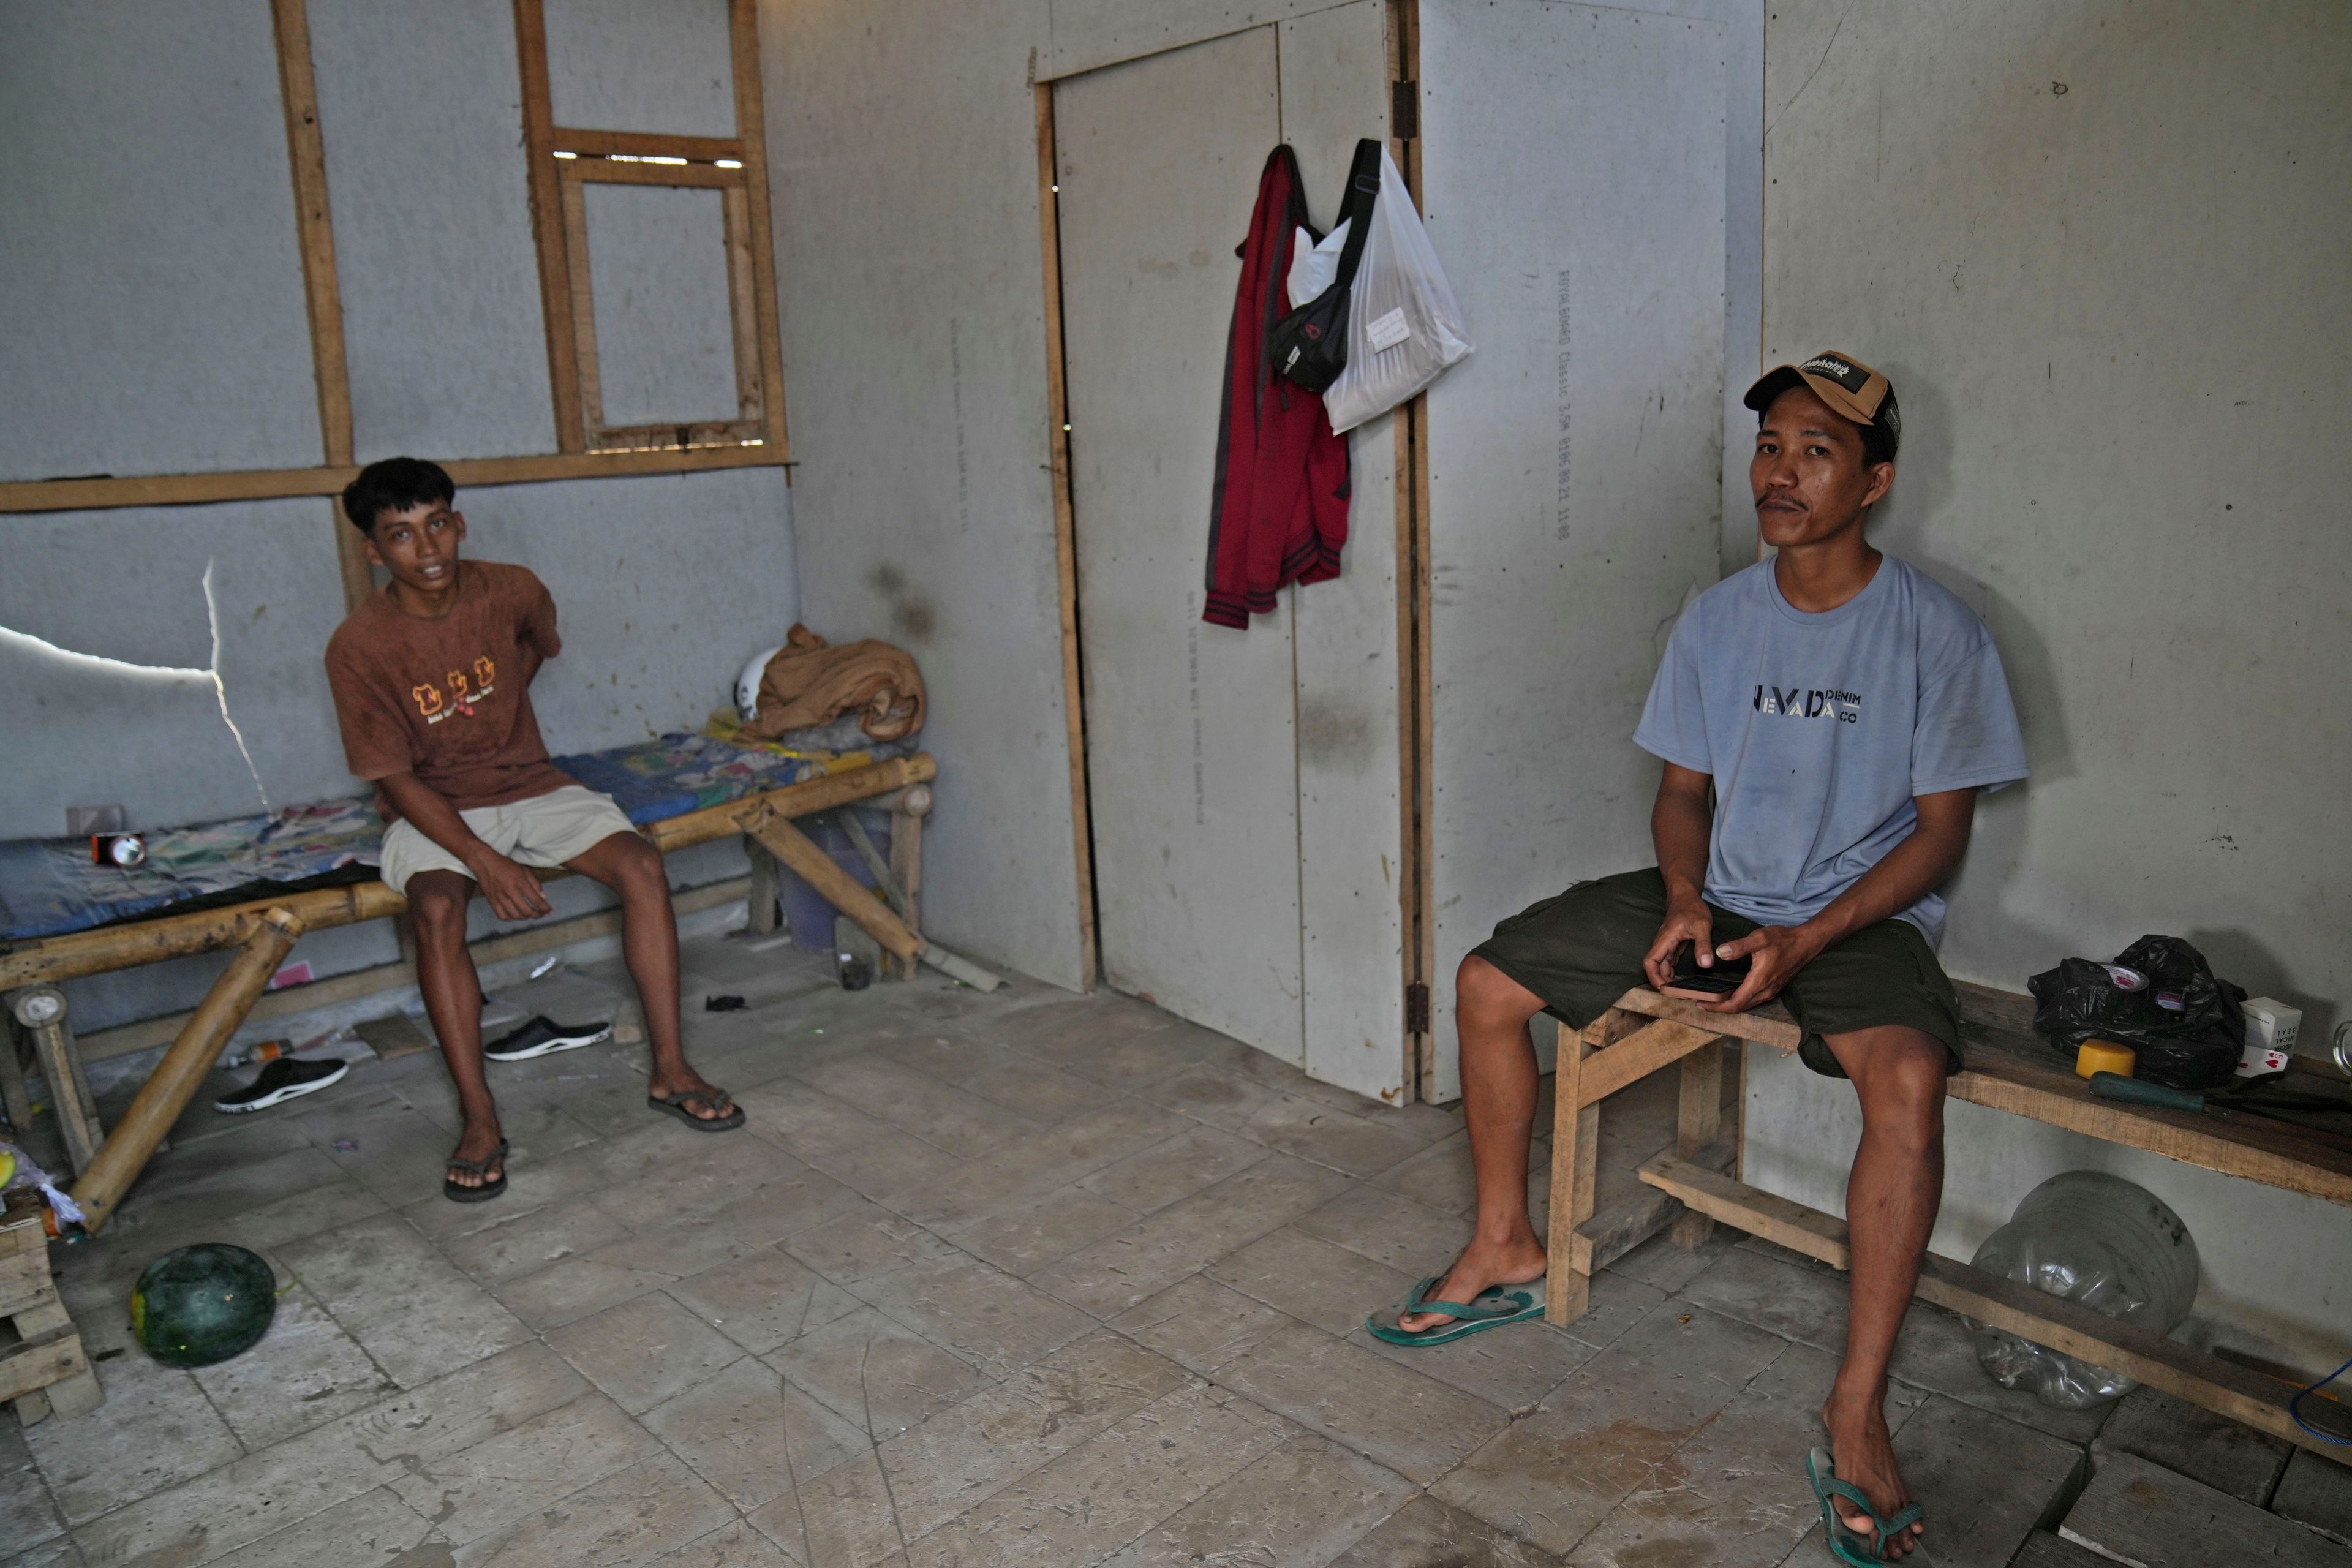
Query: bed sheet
point(49, 887)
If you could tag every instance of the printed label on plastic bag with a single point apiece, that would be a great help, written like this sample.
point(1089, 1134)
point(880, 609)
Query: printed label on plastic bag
point(1387, 332)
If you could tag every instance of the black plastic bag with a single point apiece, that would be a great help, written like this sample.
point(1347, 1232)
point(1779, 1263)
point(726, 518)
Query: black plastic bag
point(2158, 997)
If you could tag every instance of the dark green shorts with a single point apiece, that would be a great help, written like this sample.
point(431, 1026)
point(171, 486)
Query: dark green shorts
point(1584, 949)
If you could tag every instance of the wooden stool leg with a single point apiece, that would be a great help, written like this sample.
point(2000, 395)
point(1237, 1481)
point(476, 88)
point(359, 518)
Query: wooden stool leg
point(1698, 1119)
point(765, 887)
point(1576, 1162)
point(907, 864)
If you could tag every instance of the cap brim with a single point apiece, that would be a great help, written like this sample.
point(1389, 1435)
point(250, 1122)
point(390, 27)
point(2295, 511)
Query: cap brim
point(1780, 378)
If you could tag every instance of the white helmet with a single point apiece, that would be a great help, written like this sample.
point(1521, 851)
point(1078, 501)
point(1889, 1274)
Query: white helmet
point(747, 685)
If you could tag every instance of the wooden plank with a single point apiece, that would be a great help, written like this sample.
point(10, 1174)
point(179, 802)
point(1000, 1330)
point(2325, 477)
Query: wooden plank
point(907, 866)
point(2272, 1153)
point(555, 291)
point(1767, 1025)
point(24, 1280)
point(208, 931)
point(1776, 1219)
point(1066, 530)
point(321, 289)
point(1698, 1118)
point(2170, 1367)
point(1575, 1164)
point(742, 309)
point(269, 484)
point(174, 1079)
point(30, 1367)
point(752, 135)
point(1657, 1044)
point(604, 172)
point(643, 144)
point(1604, 1239)
point(843, 892)
point(148, 1033)
point(1417, 859)
point(587, 377)
point(307, 153)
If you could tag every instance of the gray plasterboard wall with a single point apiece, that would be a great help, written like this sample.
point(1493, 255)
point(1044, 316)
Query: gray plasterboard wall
point(2121, 326)
point(151, 292)
point(903, 157)
point(664, 585)
point(1574, 173)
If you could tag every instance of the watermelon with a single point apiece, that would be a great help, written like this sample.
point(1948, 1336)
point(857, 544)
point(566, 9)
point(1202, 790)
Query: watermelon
point(202, 1304)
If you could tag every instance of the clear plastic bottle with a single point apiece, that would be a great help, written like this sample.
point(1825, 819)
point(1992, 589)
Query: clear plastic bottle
point(2098, 1239)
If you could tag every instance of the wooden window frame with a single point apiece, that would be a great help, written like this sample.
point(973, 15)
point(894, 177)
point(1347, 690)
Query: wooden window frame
point(751, 246)
point(749, 426)
point(564, 160)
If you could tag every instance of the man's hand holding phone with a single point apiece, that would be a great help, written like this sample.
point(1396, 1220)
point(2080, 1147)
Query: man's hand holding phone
point(1690, 926)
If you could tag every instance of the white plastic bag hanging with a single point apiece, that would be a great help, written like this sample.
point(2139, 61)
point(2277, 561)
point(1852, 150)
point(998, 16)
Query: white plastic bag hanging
point(1313, 265)
point(1404, 326)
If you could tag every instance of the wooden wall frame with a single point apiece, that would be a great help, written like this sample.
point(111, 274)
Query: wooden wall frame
point(738, 163)
point(749, 426)
point(1066, 534)
point(563, 159)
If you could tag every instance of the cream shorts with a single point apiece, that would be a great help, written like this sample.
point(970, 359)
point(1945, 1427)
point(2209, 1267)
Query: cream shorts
point(543, 830)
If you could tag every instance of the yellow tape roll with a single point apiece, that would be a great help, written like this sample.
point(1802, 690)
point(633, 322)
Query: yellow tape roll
point(2104, 1055)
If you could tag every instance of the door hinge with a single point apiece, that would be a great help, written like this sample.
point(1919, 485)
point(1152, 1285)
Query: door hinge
point(1404, 110)
point(1416, 1009)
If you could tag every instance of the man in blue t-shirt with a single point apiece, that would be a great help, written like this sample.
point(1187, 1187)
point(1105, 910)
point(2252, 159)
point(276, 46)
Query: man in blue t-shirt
point(1826, 720)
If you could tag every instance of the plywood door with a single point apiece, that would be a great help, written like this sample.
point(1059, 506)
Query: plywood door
point(1191, 747)
point(1572, 164)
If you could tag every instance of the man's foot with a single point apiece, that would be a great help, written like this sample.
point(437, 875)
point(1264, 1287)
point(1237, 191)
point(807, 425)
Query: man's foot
point(1865, 1452)
point(1481, 1266)
point(703, 1100)
point(478, 1163)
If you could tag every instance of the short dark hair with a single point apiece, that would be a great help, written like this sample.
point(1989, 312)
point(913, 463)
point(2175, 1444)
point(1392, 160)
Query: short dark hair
point(395, 484)
point(1881, 435)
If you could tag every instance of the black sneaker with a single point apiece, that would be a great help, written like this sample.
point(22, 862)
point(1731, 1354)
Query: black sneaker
point(542, 1038)
point(288, 1077)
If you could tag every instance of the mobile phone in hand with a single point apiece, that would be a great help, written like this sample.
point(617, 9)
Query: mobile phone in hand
point(1705, 984)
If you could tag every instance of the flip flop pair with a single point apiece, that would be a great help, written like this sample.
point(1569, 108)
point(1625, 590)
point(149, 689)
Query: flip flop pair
point(1497, 1307)
point(1845, 1543)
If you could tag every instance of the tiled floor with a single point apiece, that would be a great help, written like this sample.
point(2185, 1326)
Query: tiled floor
point(1023, 1279)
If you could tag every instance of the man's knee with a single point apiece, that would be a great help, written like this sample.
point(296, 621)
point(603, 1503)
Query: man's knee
point(1899, 1076)
point(1485, 995)
point(437, 904)
point(638, 867)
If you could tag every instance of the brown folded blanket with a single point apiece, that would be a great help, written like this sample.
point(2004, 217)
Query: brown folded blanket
point(810, 682)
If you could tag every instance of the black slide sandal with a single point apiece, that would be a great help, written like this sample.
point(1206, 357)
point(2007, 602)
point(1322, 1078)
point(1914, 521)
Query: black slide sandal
point(458, 1193)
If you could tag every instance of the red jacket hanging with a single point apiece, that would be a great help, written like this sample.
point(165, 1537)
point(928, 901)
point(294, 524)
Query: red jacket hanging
point(1279, 512)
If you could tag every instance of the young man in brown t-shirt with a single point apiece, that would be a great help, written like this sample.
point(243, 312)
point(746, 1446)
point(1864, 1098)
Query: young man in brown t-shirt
point(431, 682)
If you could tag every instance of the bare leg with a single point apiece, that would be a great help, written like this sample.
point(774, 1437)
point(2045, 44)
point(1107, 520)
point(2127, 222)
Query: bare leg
point(453, 1001)
point(633, 869)
point(1498, 1097)
point(1891, 1200)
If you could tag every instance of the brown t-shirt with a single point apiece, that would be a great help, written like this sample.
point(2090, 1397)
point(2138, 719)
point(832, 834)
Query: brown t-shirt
point(449, 700)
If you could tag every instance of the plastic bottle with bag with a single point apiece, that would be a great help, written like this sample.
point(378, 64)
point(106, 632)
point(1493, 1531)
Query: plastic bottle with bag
point(2109, 1244)
point(1404, 326)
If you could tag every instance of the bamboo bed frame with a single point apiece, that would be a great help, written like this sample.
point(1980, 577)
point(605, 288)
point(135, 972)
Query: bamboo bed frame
point(1696, 1182)
point(261, 933)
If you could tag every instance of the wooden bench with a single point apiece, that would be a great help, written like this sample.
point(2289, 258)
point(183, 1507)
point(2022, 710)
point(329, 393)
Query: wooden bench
point(261, 933)
point(1696, 1182)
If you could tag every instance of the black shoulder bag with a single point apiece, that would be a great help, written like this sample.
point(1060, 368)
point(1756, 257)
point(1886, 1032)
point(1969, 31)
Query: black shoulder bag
point(1310, 346)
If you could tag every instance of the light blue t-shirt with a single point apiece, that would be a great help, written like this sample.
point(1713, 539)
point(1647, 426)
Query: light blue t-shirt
point(1818, 729)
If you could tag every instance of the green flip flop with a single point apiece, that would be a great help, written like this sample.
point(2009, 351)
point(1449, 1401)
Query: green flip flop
point(1498, 1306)
point(1844, 1543)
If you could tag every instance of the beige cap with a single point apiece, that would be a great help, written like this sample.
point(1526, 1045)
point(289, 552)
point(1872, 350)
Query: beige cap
point(1849, 387)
